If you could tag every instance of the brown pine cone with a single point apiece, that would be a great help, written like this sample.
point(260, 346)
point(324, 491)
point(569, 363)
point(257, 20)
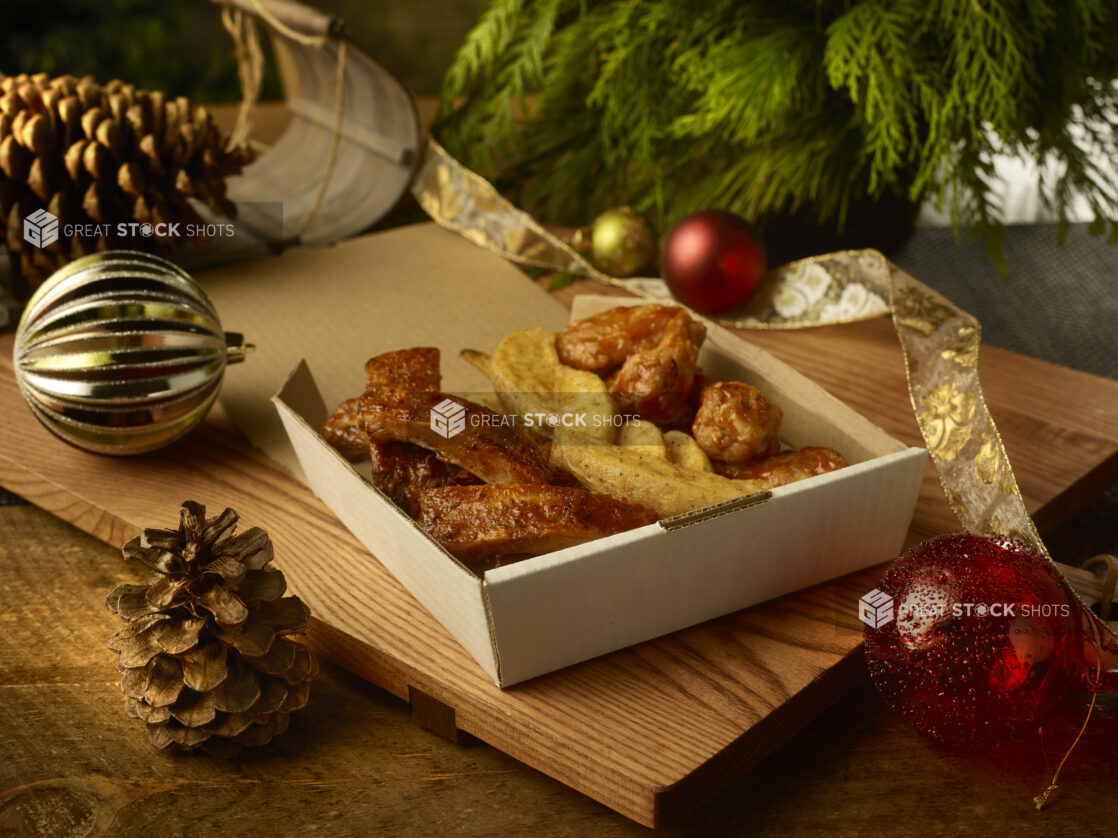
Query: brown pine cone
point(205, 653)
point(95, 157)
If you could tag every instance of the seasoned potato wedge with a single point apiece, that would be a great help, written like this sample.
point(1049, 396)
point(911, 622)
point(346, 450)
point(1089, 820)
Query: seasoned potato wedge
point(684, 451)
point(660, 485)
point(523, 371)
point(584, 394)
point(479, 361)
point(526, 361)
point(643, 436)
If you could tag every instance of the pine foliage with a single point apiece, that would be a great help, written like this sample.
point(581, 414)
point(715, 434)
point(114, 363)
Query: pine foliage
point(771, 108)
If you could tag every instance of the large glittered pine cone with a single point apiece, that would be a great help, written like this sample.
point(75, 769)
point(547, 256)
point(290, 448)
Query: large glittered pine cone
point(205, 652)
point(104, 161)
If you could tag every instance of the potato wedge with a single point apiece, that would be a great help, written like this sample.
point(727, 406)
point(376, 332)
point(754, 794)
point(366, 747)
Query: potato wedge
point(479, 361)
point(643, 436)
point(583, 394)
point(483, 364)
point(523, 371)
point(662, 486)
point(685, 452)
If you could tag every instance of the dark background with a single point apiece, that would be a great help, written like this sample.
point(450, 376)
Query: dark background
point(180, 46)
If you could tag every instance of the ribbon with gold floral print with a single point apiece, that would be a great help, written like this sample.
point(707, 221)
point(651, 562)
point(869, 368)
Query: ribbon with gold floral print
point(940, 341)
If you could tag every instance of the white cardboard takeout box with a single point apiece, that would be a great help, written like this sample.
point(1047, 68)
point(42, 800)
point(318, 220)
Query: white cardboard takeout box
point(539, 615)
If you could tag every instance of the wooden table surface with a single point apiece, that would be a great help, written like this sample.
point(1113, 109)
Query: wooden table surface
point(73, 764)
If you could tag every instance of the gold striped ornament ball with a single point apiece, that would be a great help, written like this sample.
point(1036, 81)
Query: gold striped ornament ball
point(122, 353)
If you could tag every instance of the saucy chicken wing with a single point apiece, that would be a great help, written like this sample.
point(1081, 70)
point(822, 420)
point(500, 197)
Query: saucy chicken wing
point(735, 423)
point(656, 382)
point(786, 467)
point(476, 522)
point(603, 342)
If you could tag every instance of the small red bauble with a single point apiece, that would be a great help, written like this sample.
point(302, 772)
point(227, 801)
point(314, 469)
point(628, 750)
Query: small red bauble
point(985, 637)
point(712, 261)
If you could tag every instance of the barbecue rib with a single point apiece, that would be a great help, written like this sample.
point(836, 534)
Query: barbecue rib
point(475, 522)
point(405, 369)
point(342, 429)
point(404, 471)
point(481, 441)
point(399, 469)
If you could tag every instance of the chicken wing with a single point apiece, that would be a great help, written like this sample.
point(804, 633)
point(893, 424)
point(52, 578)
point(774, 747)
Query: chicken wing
point(603, 342)
point(656, 382)
point(475, 522)
point(735, 423)
point(481, 441)
point(786, 467)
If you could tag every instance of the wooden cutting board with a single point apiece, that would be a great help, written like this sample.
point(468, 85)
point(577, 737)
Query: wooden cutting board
point(652, 731)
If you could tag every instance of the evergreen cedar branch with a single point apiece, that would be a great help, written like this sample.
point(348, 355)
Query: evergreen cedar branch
point(767, 107)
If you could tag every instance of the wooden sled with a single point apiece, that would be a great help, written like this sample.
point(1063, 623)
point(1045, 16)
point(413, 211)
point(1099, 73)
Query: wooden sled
point(377, 143)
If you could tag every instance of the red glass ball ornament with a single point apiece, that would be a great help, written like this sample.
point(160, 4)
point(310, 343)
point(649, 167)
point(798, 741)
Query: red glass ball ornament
point(986, 636)
point(712, 261)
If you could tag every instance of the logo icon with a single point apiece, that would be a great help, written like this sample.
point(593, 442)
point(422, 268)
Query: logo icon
point(40, 228)
point(875, 609)
point(448, 418)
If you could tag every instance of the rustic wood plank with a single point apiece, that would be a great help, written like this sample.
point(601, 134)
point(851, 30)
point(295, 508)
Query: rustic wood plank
point(355, 764)
point(72, 763)
point(593, 726)
point(651, 731)
point(434, 715)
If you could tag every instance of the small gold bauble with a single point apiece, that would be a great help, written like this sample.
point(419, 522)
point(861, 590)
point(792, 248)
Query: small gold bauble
point(121, 353)
point(622, 242)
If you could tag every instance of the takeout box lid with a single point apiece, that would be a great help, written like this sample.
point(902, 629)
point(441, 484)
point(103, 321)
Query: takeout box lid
point(542, 614)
